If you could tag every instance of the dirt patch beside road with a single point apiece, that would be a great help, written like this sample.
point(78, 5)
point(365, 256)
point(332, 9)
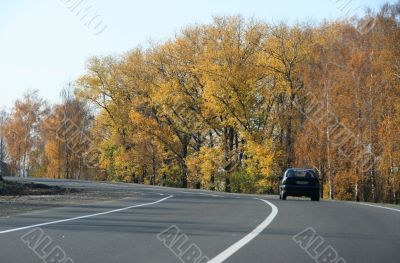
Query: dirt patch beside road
point(17, 189)
point(20, 198)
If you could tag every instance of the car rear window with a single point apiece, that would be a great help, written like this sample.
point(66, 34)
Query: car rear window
point(301, 174)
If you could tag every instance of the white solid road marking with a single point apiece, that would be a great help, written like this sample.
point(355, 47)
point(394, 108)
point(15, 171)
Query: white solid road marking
point(242, 242)
point(82, 217)
point(384, 207)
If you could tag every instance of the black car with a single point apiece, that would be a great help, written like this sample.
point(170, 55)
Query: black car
point(299, 182)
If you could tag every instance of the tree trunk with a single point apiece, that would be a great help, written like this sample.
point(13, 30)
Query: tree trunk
point(228, 185)
point(184, 175)
point(153, 162)
point(212, 182)
point(229, 134)
point(185, 144)
point(289, 144)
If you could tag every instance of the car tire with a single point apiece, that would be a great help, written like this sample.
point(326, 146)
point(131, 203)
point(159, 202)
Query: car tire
point(283, 196)
point(315, 198)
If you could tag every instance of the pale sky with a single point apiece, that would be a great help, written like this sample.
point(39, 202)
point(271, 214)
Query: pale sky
point(44, 44)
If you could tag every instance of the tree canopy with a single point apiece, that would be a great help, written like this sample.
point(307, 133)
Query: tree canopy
point(229, 106)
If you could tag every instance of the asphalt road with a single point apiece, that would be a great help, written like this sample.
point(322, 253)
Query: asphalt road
point(160, 225)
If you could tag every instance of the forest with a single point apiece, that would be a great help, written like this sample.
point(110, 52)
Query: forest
point(227, 106)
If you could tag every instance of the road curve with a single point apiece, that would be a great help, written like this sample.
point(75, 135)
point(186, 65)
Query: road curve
point(155, 224)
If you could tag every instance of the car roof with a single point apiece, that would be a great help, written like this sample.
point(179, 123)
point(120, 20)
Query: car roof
point(300, 169)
